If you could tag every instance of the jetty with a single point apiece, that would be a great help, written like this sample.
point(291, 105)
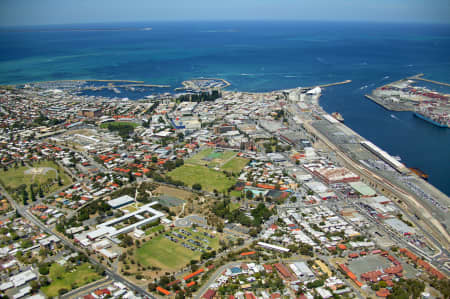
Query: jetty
point(329, 84)
point(419, 77)
point(144, 85)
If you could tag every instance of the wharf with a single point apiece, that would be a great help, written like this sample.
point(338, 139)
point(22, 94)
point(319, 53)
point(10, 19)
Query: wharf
point(387, 106)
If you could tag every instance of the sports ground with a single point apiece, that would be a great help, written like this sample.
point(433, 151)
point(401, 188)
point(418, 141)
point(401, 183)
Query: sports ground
point(206, 168)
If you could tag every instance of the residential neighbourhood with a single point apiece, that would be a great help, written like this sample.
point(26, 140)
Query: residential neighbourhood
point(206, 194)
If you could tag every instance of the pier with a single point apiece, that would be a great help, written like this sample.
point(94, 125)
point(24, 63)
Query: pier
point(419, 77)
point(329, 84)
point(144, 85)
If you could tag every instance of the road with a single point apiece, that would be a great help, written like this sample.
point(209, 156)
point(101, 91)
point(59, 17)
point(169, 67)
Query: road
point(114, 276)
point(87, 288)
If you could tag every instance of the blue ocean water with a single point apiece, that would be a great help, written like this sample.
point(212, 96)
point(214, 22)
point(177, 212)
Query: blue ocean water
point(257, 56)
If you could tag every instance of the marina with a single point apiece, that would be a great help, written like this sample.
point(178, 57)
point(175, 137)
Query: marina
point(203, 84)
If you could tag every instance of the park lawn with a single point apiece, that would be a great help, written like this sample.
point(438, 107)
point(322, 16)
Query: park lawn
point(61, 279)
point(118, 124)
point(165, 254)
point(197, 158)
point(235, 193)
point(15, 177)
point(218, 158)
point(234, 206)
point(154, 229)
point(208, 178)
point(235, 165)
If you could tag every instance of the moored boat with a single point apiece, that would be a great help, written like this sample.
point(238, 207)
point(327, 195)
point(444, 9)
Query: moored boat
point(338, 116)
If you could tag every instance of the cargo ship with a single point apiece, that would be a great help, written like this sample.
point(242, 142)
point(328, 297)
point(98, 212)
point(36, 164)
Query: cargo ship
point(338, 116)
point(435, 122)
point(419, 172)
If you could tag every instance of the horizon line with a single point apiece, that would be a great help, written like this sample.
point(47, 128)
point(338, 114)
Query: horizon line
point(404, 22)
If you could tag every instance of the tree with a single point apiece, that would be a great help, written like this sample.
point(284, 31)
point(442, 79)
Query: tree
point(24, 197)
point(130, 177)
point(33, 196)
point(44, 270)
point(197, 187)
point(34, 285)
point(43, 281)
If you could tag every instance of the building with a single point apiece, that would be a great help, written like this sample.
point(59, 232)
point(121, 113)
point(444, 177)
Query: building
point(90, 112)
point(209, 294)
point(22, 278)
point(284, 272)
point(145, 215)
point(302, 271)
point(273, 247)
point(223, 129)
point(120, 201)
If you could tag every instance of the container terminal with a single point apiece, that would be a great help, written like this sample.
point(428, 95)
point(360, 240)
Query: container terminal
point(407, 95)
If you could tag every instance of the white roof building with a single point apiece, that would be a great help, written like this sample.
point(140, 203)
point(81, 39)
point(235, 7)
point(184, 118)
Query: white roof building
point(22, 278)
point(120, 201)
point(107, 253)
point(22, 292)
point(273, 247)
point(6, 285)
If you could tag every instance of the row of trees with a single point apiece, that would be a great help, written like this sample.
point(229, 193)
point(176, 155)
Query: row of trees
point(124, 129)
point(259, 214)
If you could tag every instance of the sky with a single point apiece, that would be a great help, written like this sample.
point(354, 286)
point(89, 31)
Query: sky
point(43, 12)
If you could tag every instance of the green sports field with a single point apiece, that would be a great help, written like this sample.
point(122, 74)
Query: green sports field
point(235, 165)
point(209, 179)
point(43, 174)
point(211, 158)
